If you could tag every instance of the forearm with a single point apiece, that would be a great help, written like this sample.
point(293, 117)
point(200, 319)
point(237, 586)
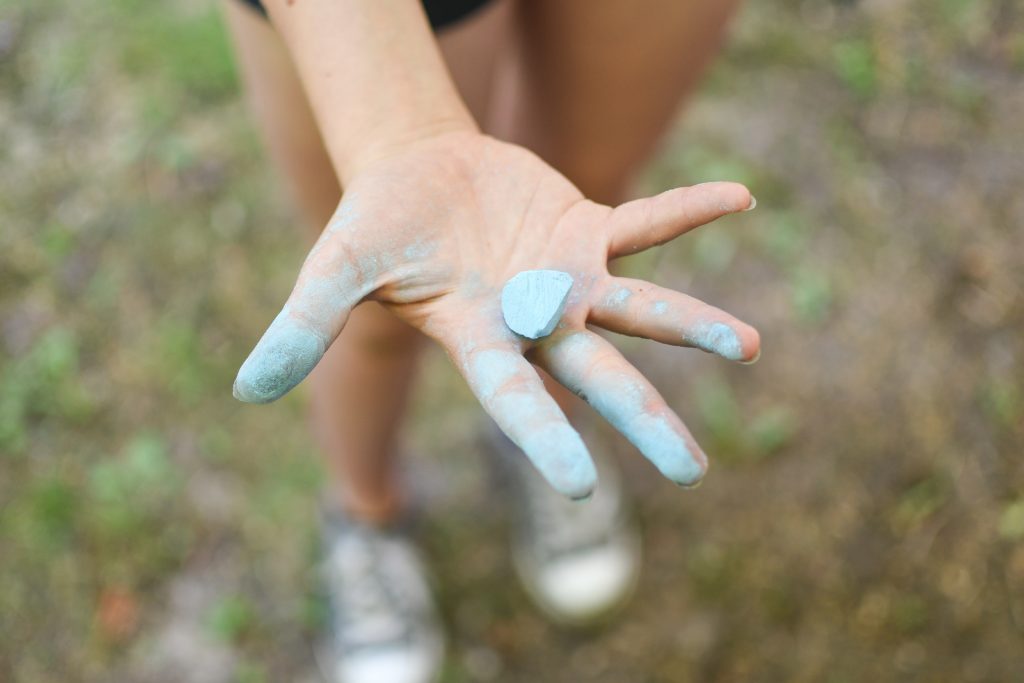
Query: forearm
point(373, 74)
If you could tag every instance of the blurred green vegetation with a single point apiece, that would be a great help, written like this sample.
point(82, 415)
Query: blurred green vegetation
point(864, 518)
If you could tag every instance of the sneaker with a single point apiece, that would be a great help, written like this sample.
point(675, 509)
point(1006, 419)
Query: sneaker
point(383, 624)
point(578, 560)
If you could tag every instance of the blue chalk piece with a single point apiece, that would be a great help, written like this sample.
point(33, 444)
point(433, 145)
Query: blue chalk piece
point(532, 301)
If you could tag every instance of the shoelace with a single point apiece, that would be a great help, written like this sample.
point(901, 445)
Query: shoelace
point(367, 608)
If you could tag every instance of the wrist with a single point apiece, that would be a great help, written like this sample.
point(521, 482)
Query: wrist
point(373, 74)
point(389, 138)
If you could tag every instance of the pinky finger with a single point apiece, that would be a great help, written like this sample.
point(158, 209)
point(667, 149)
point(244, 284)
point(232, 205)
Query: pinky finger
point(642, 309)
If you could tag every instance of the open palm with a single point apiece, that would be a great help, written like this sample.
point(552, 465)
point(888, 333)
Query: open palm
point(433, 232)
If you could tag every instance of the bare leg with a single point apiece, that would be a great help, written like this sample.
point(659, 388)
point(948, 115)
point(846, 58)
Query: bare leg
point(592, 85)
point(595, 83)
point(361, 385)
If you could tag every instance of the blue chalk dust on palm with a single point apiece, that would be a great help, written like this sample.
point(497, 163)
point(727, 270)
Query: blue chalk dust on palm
point(420, 249)
point(532, 302)
point(499, 379)
point(491, 369)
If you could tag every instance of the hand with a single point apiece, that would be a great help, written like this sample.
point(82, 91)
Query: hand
point(433, 232)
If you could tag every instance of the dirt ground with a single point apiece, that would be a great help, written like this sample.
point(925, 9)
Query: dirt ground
point(864, 516)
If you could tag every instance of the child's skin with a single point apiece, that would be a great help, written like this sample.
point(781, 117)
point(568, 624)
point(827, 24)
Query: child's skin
point(436, 217)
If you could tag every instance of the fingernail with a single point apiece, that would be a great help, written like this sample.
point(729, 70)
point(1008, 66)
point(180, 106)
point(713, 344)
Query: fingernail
point(753, 204)
point(752, 360)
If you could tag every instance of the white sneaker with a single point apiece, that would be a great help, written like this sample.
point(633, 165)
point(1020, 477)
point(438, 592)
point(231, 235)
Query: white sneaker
point(383, 627)
point(578, 560)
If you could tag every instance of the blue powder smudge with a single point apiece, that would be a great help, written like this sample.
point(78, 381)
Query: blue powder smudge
point(717, 338)
point(298, 338)
point(619, 298)
point(491, 369)
point(284, 356)
point(342, 219)
point(621, 401)
point(660, 308)
point(663, 446)
point(323, 299)
point(623, 406)
point(554, 447)
point(371, 266)
point(528, 418)
point(420, 249)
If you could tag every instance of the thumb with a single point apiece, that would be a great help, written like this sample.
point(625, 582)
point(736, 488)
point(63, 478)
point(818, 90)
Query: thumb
point(328, 287)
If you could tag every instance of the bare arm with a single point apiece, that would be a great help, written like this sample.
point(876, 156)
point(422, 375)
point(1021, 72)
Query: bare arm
point(373, 73)
point(436, 217)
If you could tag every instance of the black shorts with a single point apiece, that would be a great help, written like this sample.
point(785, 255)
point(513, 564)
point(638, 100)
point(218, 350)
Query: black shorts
point(441, 13)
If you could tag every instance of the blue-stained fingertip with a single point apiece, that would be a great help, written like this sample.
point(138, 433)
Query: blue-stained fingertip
point(717, 338)
point(688, 477)
point(666, 448)
point(282, 358)
point(562, 458)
